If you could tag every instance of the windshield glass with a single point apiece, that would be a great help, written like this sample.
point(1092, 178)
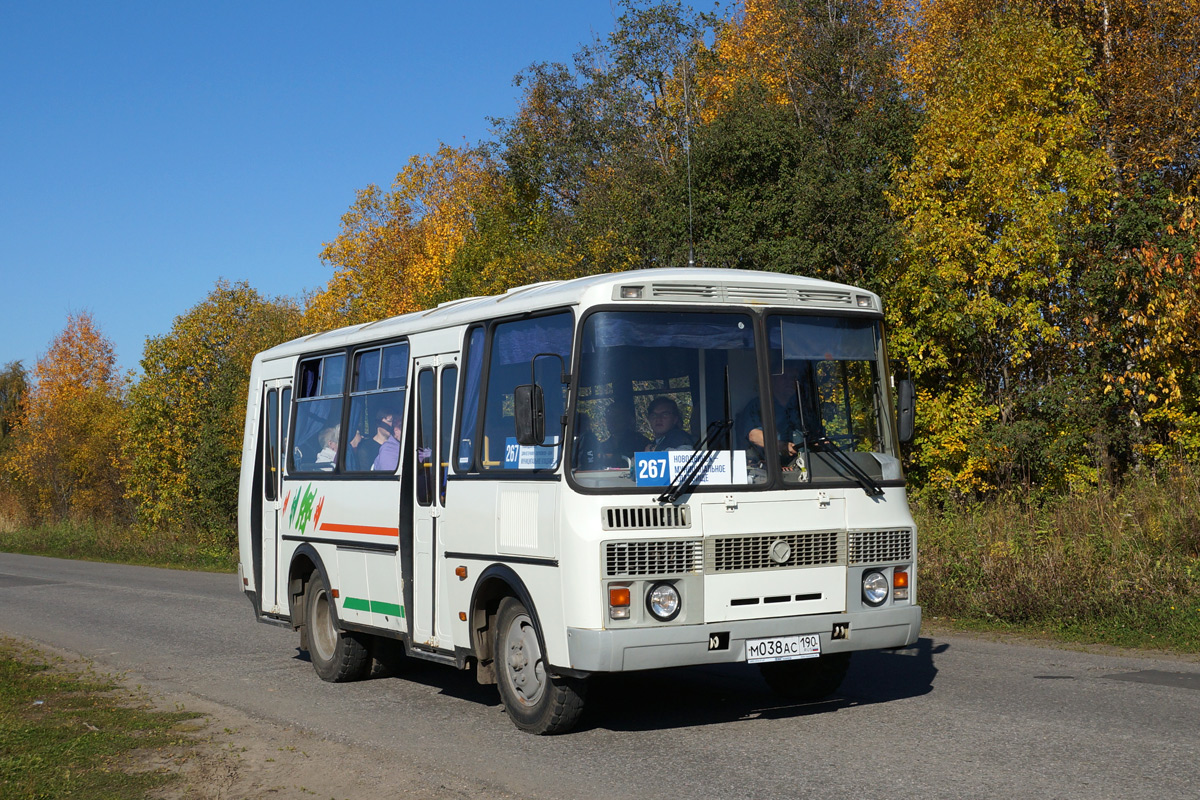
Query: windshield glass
point(830, 408)
point(653, 387)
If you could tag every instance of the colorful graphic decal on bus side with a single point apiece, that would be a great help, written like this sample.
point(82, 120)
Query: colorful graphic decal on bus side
point(304, 511)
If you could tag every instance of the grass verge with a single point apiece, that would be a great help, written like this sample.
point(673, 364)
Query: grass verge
point(71, 734)
point(1119, 568)
point(122, 545)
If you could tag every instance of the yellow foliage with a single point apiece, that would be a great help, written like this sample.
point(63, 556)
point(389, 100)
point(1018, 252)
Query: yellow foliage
point(66, 444)
point(395, 248)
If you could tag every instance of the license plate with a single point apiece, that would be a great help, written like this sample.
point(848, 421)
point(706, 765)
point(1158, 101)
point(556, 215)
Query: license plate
point(782, 648)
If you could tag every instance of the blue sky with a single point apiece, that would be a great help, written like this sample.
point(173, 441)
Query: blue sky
point(148, 149)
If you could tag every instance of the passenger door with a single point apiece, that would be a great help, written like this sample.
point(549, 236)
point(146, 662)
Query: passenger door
point(277, 400)
point(436, 382)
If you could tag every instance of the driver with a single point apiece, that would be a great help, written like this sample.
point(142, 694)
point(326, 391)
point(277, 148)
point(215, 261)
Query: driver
point(789, 425)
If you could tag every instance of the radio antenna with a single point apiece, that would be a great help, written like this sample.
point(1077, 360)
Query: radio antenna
point(687, 149)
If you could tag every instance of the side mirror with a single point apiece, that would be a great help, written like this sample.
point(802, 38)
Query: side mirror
point(907, 413)
point(530, 411)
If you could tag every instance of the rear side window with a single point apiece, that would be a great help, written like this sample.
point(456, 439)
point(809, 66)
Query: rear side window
point(317, 435)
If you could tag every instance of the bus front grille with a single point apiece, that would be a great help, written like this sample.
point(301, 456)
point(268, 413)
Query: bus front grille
point(774, 551)
point(662, 557)
point(880, 547)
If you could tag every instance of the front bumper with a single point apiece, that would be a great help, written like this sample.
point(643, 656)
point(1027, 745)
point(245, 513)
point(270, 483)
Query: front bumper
point(630, 649)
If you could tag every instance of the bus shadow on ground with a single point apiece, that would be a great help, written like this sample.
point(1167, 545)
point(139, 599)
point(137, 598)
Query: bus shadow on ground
point(693, 696)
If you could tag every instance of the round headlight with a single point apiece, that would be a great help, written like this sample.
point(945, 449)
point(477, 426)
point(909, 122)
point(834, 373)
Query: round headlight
point(663, 602)
point(875, 588)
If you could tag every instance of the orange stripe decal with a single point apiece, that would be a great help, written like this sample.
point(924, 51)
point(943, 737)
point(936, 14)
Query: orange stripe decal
point(366, 530)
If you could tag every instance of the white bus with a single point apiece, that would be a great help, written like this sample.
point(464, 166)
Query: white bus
point(620, 472)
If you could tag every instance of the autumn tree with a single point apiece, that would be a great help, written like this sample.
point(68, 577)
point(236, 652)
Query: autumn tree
point(188, 410)
point(1004, 173)
point(395, 248)
point(65, 455)
point(803, 123)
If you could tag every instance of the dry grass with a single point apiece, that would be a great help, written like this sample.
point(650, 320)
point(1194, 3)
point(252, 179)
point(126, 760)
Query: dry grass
point(1121, 568)
point(125, 545)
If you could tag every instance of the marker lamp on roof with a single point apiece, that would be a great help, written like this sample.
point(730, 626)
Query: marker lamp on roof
point(631, 292)
point(862, 300)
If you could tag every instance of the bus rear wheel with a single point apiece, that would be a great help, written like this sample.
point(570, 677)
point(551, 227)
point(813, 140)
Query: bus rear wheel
point(535, 700)
point(337, 656)
point(807, 679)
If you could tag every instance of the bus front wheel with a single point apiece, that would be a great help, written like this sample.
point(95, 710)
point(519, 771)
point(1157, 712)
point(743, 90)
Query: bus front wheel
point(535, 700)
point(808, 679)
point(337, 656)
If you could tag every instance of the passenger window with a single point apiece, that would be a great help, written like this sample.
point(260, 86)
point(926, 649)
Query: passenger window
point(377, 409)
point(317, 435)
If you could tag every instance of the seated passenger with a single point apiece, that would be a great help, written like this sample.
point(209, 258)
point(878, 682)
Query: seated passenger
point(665, 421)
point(327, 458)
point(389, 452)
point(365, 450)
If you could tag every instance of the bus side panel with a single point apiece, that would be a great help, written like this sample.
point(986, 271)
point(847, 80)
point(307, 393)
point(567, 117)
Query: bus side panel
point(495, 522)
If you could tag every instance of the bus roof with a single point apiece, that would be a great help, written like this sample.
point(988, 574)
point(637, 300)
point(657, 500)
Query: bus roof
point(665, 285)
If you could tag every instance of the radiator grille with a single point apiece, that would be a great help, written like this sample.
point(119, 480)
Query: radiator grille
point(621, 518)
point(774, 551)
point(880, 547)
point(664, 557)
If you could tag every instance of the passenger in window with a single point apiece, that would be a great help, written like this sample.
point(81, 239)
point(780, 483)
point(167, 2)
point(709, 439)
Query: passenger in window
point(789, 425)
point(665, 421)
point(389, 452)
point(329, 445)
point(365, 450)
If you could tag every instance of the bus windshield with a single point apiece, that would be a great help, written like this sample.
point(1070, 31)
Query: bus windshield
point(653, 386)
point(660, 389)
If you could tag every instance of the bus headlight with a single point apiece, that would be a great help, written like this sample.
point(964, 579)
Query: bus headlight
point(663, 602)
point(874, 588)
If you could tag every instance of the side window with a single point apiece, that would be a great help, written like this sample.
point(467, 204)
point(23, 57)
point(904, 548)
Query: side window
point(271, 465)
point(472, 376)
point(445, 425)
point(376, 408)
point(317, 432)
point(425, 441)
point(514, 347)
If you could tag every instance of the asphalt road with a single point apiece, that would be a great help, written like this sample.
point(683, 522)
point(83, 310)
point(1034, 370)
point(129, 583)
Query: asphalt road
point(950, 717)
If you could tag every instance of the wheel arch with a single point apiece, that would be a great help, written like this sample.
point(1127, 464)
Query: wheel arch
point(495, 583)
point(305, 561)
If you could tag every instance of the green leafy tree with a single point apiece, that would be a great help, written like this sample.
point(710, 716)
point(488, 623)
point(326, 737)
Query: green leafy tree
point(14, 383)
point(188, 410)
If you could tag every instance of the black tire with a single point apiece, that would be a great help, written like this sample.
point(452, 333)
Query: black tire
point(337, 656)
point(807, 679)
point(535, 700)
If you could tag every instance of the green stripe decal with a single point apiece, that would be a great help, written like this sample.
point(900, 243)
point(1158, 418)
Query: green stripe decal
point(378, 606)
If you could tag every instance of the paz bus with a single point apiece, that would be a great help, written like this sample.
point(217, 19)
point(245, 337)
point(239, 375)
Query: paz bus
point(620, 472)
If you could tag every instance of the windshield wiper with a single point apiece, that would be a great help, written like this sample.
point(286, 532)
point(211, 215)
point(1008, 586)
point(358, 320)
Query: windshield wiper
point(839, 457)
point(698, 463)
